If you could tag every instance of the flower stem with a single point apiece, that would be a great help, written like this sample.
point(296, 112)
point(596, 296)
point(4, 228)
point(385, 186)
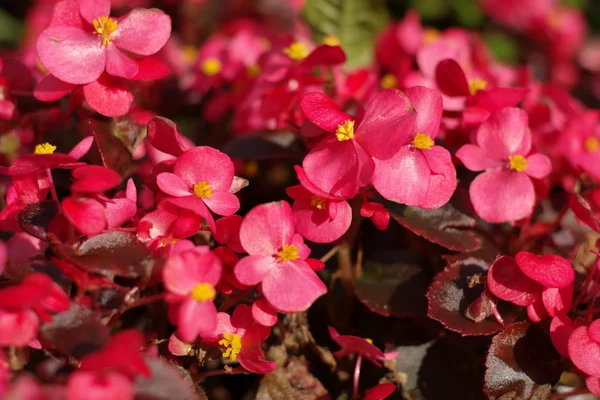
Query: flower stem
point(356, 377)
point(216, 372)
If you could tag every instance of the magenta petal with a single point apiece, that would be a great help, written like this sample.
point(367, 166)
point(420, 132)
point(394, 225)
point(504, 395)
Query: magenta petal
point(502, 195)
point(429, 107)
point(404, 178)
point(143, 31)
point(94, 179)
point(108, 96)
point(263, 313)
point(557, 300)
point(507, 282)
point(119, 211)
point(18, 328)
point(223, 203)
point(172, 185)
point(163, 135)
point(66, 13)
point(536, 311)
point(86, 214)
point(451, 78)
point(266, 228)
point(561, 328)
point(538, 166)
point(196, 317)
point(442, 182)
point(151, 69)
point(584, 351)
point(593, 384)
point(92, 9)
point(205, 164)
point(118, 64)
point(324, 229)
point(251, 270)
point(594, 330)
point(388, 124)
point(498, 98)
point(323, 112)
point(380, 392)
point(255, 362)
point(548, 270)
point(72, 55)
point(293, 286)
point(505, 133)
point(81, 148)
point(476, 159)
point(311, 187)
point(51, 89)
point(96, 386)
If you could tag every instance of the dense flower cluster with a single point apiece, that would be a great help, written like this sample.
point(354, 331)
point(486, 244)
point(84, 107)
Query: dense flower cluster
point(113, 201)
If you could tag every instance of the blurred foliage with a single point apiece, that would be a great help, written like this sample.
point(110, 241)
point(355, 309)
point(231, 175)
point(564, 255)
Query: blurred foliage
point(503, 47)
point(356, 23)
point(11, 29)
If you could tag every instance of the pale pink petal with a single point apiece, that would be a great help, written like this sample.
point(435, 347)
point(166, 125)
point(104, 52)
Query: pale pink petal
point(66, 13)
point(205, 164)
point(223, 203)
point(131, 191)
point(251, 270)
point(311, 187)
point(429, 106)
point(143, 31)
point(118, 64)
point(323, 112)
point(557, 300)
point(292, 287)
point(92, 9)
point(267, 228)
point(108, 96)
point(404, 178)
point(83, 385)
point(505, 133)
point(51, 89)
point(119, 211)
point(538, 166)
point(321, 229)
point(476, 159)
point(81, 148)
point(502, 195)
point(388, 124)
point(442, 182)
point(196, 205)
point(18, 328)
point(593, 384)
point(196, 317)
point(263, 313)
point(584, 351)
point(72, 55)
point(172, 185)
point(184, 271)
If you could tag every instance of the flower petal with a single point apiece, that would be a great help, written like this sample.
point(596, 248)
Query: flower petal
point(143, 31)
point(205, 164)
point(266, 228)
point(538, 166)
point(108, 96)
point(223, 203)
point(196, 317)
point(584, 351)
point(172, 185)
point(476, 159)
point(92, 9)
point(442, 182)
point(323, 112)
point(51, 89)
point(293, 286)
point(505, 133)
point(429, 106)
point(507, 282)
point(251, 270)
point(118, 64)
point(548, 270)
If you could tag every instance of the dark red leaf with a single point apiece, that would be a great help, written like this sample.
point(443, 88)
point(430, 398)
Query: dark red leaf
point(166, 382)
point(113, 152)
point(35, 218)
point(583, 211)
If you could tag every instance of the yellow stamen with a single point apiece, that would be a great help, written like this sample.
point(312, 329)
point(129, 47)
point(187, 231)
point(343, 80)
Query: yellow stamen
point(165, 241)
point(331, 40)
point(233, 345)
point(254, 70)
point(591, 144)
point(388, 81)
point(296, 51)
point(288, 253)
point(345, 131)
point(204, 292)
point(189, 54)
point(318, 202)
point(518, 163)
point(211, 66)
point(105, 27)
point(476, 84)
point(370, 341)
point(430, 36)
point(422, 141)
point(203, 189)
point(44, 148)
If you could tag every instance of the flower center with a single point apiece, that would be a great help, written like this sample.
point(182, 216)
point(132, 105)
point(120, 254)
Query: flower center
point(331, 40)
point(203, 189)
point(591, 144)
point(288, 253)
point(254, 70)
point(370, 341)
point(345, 131)
point(211, 66)
point(105, 27)
point(203, 292)
point(388, 81)
point(44, 148)
point(430, 36)
point(296, 51)
point(233, 345)
point(318, 202)
point(476, 84)
point(518, 163)
point(423, 141)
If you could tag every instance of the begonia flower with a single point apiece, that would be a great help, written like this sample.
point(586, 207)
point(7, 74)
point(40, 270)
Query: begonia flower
point(380, 392)
point(504, 192)
point(363, 347)
point(277, 258)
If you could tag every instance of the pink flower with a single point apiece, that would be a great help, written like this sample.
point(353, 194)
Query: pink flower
point(363, 347)
point(190, 275)
point(202, 177)
point(277, 258)
point(342, 161)
point(240, 337)
point(420, 174)
point(79, 50)
point(320, 217)
point(580, 142)
point(504, 192)
point(380, 392)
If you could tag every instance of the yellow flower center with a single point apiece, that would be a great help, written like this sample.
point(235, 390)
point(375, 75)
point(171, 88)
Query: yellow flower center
point(430, 36)
point(422, 141)
point(476, 84)
point(105, 27)
point(203, 189)
point(44, 148)
point(288, 253)
point(591, 144)
point(189, 54)
point(331, 40)
point(254, 70)
point(204, 292)
point(233, 345)
point(318, 202)
point(345, 131)
point(370, 341)
point(211, 66)
point(388, 81)
point(518, 163)
point(296, 51)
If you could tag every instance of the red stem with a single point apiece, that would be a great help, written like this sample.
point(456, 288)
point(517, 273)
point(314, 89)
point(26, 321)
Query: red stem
point(356, 377)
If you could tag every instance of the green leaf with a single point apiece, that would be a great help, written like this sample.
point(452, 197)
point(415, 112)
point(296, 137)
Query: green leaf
point(431, 9)
point(355, 22)
point(11, 29)
point(503, 47)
